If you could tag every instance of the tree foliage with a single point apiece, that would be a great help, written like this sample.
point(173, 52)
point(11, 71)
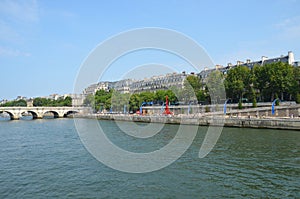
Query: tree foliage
point(274, 79)
point(67, 101)
point(265, 82)
point(116, 101)
point(215, 87)
point(193, 90)
point(20, 102)
point(262, 83)
point(237, 82)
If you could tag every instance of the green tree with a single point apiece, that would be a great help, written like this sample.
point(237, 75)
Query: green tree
point(282, 77)
point(67, 101)
point(295, 89)
point(188, 92)
point(102, 99)
point(61, 101)
point(147, 96)
point(118, 101)
point(215, 87)
point(171, 96)
point(237, 82)
point(18, 103)
point(89, 101)
point(201, 96)
point(160, 95)
point(259, 80)
point(134, 102)
point(253, 98)
point(274, 79)
point(195, 82)
point(40, 101)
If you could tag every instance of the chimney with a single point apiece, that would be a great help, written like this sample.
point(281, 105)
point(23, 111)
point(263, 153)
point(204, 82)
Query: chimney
point(229, 65)
point(263, 58)
point(248, 61)
point(238, 63)
point(291, 57)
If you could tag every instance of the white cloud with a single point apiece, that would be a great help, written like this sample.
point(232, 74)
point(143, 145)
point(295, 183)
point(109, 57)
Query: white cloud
point(20, 10)
point(289, 28)
point(16, 20)
point(7, 34)
point(8, 52)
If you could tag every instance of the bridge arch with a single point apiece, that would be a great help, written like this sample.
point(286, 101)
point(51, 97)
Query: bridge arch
point(55, 114)
point(14, 113)
point(11, 115)
point(33, 113)
point(68, 113)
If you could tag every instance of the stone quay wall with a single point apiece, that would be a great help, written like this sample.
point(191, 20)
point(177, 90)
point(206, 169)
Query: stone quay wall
point(284, 118)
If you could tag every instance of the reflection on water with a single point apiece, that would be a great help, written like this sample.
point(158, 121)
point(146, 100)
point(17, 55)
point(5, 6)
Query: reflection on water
point(4, 116)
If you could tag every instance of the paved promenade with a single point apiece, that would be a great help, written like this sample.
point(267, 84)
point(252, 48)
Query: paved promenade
point(247, 118)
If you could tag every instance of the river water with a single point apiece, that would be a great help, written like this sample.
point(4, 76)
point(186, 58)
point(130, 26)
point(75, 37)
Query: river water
point(46, 159)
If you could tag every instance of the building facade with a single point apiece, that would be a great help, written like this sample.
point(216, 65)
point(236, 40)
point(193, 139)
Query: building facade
point(289, 58)
point(164, 82)
point(92, 89)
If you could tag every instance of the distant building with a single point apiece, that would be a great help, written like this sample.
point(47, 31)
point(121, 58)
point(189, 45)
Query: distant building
point(289, 58)
point(53, 96)
point(92, 89)
point(3, 101)
point(162, 82)
point(77, 99)
point(21, 98)
point(30, 102)
point(123, 86)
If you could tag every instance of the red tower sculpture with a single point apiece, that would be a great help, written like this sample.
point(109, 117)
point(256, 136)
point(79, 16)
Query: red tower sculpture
point(167, 110)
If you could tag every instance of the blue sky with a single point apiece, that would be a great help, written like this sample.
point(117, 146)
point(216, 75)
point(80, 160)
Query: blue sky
point(43, 43)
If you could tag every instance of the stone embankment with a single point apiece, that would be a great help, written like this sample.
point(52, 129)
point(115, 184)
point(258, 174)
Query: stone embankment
point(285, 117)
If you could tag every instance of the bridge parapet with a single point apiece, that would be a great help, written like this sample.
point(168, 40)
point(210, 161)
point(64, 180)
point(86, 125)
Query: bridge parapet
point(39, 112)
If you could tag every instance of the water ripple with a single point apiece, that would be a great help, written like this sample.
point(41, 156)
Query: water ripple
point(45, 159)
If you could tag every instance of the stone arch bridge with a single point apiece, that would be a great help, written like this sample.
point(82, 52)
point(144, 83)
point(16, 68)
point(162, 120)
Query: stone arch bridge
point(39, 112)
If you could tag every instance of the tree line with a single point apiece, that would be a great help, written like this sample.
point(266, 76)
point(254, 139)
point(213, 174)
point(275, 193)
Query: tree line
point(19, 102)
point(263, 83)
point(241, 84)
point(115, 101)
point(67, 101)
point(61, 101)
